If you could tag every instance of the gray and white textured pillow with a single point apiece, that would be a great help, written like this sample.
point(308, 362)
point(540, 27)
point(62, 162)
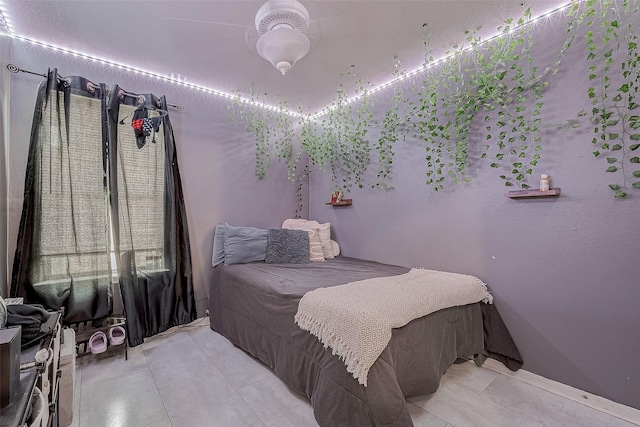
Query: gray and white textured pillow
point(316, 251)
point(287, 247)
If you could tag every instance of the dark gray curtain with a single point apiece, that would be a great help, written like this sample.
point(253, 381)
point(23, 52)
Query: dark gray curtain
point(62, 257)
point(151, 240)
point(95, 203)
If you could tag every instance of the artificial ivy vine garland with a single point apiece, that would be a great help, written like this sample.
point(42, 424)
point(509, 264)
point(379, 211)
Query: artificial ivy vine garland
point(495, 82)
point(614, 74)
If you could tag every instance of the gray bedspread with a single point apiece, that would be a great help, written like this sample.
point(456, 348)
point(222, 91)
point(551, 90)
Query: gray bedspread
point(253, 305)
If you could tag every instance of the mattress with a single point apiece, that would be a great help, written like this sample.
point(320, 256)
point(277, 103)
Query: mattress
point(253, 305)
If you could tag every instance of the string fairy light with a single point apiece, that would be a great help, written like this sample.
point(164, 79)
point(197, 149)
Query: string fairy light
point(5, 25)
point(145, 73)
point(179, 81)
point(424, 68)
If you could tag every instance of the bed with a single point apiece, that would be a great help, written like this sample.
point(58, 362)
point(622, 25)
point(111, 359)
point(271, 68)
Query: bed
point(254, 304)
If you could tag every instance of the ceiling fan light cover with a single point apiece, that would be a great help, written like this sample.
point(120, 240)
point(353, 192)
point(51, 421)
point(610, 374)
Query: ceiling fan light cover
point(283, 47)
point(275, 13)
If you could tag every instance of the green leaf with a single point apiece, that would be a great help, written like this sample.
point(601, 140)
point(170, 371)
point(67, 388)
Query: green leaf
point(624, 88)
point(620, 194)
point(636, 184)
point(611, 169)
point(636, 174)
point(635, 160)
point(634, 137)
point(614, 186)
point(613, 136)
point(616, 147)
point(611, 159)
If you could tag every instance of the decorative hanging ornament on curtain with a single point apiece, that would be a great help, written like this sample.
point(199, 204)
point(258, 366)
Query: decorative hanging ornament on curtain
point(143, 126)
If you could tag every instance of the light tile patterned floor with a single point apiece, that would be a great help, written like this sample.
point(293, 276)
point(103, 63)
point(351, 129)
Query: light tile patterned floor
point(191, 376)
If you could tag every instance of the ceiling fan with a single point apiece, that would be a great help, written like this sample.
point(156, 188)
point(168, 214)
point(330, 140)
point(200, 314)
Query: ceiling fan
point(281, 32)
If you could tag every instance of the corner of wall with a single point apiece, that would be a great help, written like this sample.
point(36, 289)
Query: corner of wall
point(5, 44)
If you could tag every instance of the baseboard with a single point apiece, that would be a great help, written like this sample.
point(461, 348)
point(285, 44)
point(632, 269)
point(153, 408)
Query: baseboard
point(601, 404)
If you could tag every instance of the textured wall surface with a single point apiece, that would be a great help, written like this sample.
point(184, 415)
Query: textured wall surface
point(216, 157)
point(564, 272)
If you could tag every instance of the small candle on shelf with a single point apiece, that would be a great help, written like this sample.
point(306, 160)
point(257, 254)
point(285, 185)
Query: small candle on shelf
point(545, 182)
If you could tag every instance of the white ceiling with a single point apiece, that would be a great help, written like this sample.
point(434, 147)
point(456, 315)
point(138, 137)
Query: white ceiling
point(212, 43)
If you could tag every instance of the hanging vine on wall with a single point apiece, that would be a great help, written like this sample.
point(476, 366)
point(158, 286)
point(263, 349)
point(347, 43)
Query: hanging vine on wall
point(497, 83)
point(393, 128)
point(614, 74)
point(343, 134)
point(257, 123)
point(508, 85)
point(273, 131)
point(498, 79)
point(444, 105)
point(284, 144)
point(300, 179)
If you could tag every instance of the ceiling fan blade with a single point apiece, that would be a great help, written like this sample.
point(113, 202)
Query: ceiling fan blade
point(199, 21)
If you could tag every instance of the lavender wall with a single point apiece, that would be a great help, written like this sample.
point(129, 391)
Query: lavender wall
point(565, 272)
point(216, 157)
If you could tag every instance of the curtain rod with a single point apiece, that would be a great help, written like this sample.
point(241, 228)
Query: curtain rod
point(15, 69)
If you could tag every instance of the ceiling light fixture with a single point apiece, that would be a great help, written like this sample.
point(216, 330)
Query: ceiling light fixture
point(282, 26)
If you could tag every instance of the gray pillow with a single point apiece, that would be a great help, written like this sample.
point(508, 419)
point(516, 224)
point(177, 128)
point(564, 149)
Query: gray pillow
point(244, 244)
point(218, 245)
point(287, 247)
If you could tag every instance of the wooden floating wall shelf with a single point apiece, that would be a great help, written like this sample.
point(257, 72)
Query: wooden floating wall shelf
point(343, 202)
point(530, 194)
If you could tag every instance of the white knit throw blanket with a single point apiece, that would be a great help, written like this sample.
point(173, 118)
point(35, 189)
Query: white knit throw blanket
point(356, 319)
